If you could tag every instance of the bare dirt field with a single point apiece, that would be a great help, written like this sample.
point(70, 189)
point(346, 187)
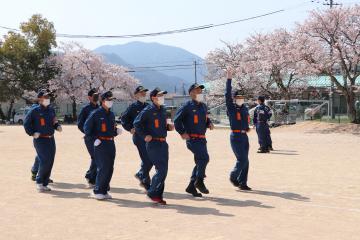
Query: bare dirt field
point(309, 188)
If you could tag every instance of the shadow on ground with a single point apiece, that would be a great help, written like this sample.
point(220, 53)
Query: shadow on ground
point(284, 195)
point(184, 209)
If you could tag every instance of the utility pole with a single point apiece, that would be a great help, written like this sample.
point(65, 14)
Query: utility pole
point(195, 64)
point(331, 3)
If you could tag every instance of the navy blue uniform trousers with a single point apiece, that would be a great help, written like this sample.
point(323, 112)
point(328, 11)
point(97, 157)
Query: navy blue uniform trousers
point(146, 164)
point(263, 132)
point(240, 147)
point(45, 150)
point(104, 158)
point(91, 173)
point(201, 157)
point(158, 153)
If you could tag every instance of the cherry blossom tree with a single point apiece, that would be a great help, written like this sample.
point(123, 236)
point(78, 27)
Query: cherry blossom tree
point(329, 43)
point(82, 70)
point(264, 63)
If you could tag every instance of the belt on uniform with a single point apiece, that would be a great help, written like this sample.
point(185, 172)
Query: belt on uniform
point(159, 139)
point(106, 138)
point(196, 135)
point(46, 136)
point(239, 131)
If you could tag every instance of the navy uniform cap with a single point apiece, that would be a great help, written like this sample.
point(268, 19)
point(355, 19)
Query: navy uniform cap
point(107, 96)
point(194, 86)
point(157, 91)
point(43, 93)
point(239, 93)
point(261, 98)
point(92, 92)
point(140, 89)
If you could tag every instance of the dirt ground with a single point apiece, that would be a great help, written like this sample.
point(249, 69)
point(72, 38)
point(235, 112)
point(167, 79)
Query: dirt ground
point(309, 188)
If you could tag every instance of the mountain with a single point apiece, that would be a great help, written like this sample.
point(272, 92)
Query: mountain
point(154, 57)
point(149, 79)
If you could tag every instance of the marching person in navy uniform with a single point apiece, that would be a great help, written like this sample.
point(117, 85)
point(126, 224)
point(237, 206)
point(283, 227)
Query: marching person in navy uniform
point(127, 121)
point(268, 134)
point(101, 125)
point(35, 166)
point(41, 123)
point(262, 115)
point(93, 97)
point(239, 123)
point(151, 124)
point(191, 122)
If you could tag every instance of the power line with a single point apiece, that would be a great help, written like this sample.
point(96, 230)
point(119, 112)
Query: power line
point(329, 3)
point(160, 70)
point(141, 35)
point(162, 66)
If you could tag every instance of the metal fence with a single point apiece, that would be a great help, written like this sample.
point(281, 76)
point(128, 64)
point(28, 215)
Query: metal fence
point(283, 111)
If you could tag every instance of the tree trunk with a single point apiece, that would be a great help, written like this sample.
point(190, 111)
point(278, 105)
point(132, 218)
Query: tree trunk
point(351, 110)
point(74, 114)
point(8, 115)
point(2, 115)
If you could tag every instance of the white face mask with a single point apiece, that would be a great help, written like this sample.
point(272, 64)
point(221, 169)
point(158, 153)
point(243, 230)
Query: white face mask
point(45, 102)
point(199, 97)
point(239, 102)
point(142, 99)
point(108, 104)
point(161, 100)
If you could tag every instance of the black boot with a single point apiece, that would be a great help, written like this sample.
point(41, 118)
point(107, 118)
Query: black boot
point(234, 182)
point(270, 148)
point(146, 186)
point(199, 184)
point(245, 187)
point(192, 190)
point(33, 176)
point(263, 150)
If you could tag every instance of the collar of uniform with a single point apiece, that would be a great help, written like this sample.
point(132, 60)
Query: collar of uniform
point(156, 107)
point(195, 102)
point(140, 103)
point(42, 107)
point(94, 105)
point(106, 111)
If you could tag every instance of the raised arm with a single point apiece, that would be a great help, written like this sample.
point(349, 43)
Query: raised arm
point(228, 97)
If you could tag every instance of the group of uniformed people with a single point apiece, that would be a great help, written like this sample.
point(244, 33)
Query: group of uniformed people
point(149, 125)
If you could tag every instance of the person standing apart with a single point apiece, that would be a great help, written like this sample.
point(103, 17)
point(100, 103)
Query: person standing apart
point(101, 125)
point(262, 115)
point(191, 122)
point(239, 123)
point(151, 124)
point(127, 121)
point(93, 97)
point(41, 123)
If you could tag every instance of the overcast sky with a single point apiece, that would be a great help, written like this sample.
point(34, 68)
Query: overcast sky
point(118, 17)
